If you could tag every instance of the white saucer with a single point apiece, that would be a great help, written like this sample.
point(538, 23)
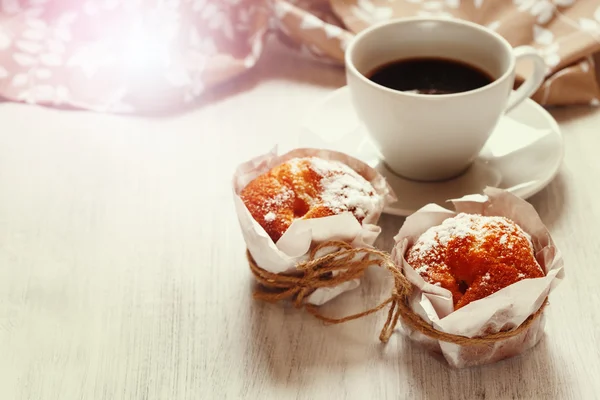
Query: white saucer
point(516, 158)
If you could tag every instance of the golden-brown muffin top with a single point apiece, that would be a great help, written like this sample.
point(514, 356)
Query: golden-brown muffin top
point(474, 256)
point(307, 187)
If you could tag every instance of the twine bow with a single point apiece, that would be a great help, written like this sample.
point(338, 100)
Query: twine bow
point(346, 264)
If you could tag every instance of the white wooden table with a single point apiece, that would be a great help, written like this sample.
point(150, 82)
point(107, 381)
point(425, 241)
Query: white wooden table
point(122, 270)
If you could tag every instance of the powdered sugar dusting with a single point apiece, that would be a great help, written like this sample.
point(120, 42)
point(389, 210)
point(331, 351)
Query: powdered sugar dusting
point(280, 198)
point(461, 226)
point(485, 279)
point(270, 216)
point(327, 167)
point(294, 164)
point(343, 189)
point(422, 269)
point(431, 246)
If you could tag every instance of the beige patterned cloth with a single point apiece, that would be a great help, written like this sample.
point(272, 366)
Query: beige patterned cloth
point(566, 32)
point(139, 56)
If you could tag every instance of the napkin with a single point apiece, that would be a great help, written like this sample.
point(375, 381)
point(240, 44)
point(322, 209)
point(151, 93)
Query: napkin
point(134, 56)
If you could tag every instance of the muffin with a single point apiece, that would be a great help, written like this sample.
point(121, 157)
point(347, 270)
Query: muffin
point(474, 256)
point(308, 187)
point(481, 275)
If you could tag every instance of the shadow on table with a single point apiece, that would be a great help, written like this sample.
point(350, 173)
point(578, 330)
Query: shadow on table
point(290, 346)
point(569, 113)
point(293, 349)
point(277, 62)
point(390, 225)
point(551, 202)
point(533, 374)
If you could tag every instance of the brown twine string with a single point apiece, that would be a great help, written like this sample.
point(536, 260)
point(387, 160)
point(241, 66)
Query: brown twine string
point(347, 264)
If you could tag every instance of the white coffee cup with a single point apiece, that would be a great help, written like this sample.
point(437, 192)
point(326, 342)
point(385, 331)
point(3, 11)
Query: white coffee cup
point(434, 137)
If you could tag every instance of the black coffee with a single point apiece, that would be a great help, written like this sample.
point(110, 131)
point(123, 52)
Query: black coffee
point(430, 76)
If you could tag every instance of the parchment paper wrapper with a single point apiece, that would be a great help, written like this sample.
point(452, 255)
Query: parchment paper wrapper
point(503, 310)
point(295, 244)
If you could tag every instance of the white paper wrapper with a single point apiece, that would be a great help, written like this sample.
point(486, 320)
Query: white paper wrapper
point(295, 244)
point(505, 309)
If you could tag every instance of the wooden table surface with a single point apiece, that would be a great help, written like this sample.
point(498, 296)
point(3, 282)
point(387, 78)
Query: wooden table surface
point(122, 269)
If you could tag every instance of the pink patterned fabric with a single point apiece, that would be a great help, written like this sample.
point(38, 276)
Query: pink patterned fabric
point(140, 56)
point(124, 56)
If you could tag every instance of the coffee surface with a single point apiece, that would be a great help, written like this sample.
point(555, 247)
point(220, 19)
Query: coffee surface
point(430, 76)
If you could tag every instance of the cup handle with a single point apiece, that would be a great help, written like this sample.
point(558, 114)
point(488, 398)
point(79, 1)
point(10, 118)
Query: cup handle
point(533, 82)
